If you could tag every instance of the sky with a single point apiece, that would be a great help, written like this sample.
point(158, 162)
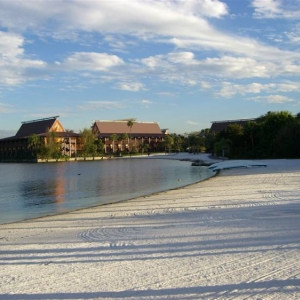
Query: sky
point(181, 63)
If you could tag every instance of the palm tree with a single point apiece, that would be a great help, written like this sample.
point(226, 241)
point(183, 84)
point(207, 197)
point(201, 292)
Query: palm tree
point(129, 124)
point(123, 137)
point(113, 138)
point(144, 147)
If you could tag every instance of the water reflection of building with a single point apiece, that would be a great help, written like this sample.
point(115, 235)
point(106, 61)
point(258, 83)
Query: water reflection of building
point(59, 190)
point(43, 192)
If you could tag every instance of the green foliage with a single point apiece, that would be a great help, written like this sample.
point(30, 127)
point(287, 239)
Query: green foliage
point(143, 147)
point(223, 147)
point(34, 144)
point(113, 138)
point(274, 135)
point(169, 141)
point(99, 146)
point(130, 124)
point(288, 140)
point(51, 147)
point(195, 142)
point(178, 140)
point(87, 139)
point(124, 137)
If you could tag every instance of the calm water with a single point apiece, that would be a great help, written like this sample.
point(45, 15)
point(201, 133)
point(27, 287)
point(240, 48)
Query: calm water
point(33, 190)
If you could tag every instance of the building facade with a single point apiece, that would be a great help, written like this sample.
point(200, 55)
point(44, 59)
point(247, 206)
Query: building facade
point(20, 147)
point(118, 136)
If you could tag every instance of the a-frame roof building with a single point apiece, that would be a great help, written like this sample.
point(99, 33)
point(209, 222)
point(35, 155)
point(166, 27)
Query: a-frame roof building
point(39, 127)
point(218, 126)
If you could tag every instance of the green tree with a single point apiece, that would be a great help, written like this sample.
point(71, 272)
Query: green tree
point(235, 133)
point(130, 123)
point(34, 144)
point(269, 127)
point(194, 142)
point(222, 147)
point(87, 138)
point(251, 130)
point(209, 141)
point(124, 137)
point(177, 142)
point(169, 141)
point(143, 147)
point(51, 147)
point(99, 146)
point(113, 138)
point(288, 140)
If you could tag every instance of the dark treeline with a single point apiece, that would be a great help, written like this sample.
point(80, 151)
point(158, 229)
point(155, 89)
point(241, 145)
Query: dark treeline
point(273, 135)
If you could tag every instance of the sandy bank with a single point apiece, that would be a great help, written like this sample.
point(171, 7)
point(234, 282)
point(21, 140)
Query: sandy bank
point(234, 236)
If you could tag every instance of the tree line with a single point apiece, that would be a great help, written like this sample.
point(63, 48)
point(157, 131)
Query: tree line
point(273, 135)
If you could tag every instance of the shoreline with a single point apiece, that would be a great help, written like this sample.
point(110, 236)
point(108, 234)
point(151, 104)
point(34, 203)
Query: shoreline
point(234, 236)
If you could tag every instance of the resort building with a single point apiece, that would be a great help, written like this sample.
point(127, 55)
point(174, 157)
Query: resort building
point(218, 126)
point(20, 146)
point(117, 136)
point(129, 135)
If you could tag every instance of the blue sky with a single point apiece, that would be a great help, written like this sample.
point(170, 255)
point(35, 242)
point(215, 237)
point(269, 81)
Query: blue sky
point(182, 64)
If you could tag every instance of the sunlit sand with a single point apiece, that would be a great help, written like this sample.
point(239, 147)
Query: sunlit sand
point(233, 236)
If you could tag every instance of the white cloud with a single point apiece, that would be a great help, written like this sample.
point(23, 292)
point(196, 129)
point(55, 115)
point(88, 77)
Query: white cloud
point(277, 99)
point(240, 67)
point(181, 58)
point(6, 108)
point(131, 16)
point(192, 123)
point(90, 61)
point(181, 23)
point(205, 85)
point(107, 105)
point(131, 86)
point(183, 67)
point(228, 89)
point(166, 94)
point(146, 101)
point(15, 68)
point(276, 9)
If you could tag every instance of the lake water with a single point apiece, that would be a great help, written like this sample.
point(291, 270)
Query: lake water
point(35, 190)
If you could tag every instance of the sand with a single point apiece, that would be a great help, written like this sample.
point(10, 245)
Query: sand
point(234, 236)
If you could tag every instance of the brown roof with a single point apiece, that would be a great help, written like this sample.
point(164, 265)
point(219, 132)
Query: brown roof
point(107, 128)
point(218, 126)
point(39, 127)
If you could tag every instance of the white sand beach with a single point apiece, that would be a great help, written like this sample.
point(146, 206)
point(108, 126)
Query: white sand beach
point(234, 236)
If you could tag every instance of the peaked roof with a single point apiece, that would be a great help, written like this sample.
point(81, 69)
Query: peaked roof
point(118, 127)
point(218, 126)
point(39, 126)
